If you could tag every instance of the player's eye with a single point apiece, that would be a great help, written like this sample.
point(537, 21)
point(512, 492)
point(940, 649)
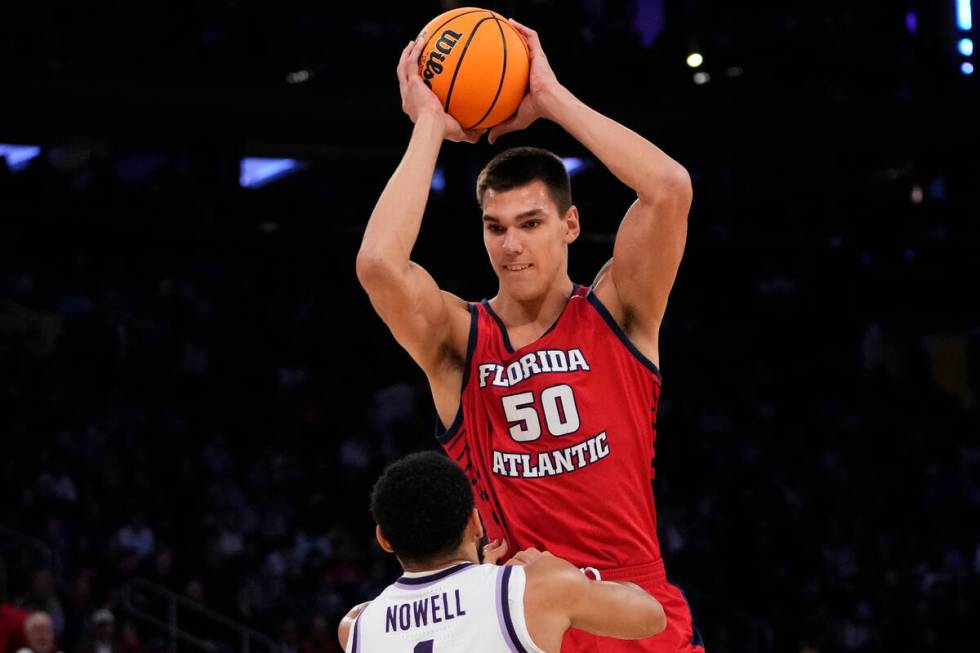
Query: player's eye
point(531, 224)
point(495, 228)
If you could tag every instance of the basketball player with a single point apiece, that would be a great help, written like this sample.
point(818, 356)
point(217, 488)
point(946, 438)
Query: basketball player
point(447, 602)
point(548, 392)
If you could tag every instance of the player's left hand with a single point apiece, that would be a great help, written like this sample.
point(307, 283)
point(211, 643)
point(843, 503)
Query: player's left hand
point(494, 551)
point(542, 83)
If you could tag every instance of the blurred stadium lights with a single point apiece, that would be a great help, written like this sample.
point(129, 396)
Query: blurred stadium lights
point(701, 78)
point(695, 59)
point(964, 15)
point(575, 165)
point(439, 180)
point(298, 77)
point(911, 22)
point(649, 20)
point(964, 20)
point(18, 156)
point(257, 172)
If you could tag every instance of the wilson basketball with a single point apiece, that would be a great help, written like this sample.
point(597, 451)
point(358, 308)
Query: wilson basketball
point(477, 65)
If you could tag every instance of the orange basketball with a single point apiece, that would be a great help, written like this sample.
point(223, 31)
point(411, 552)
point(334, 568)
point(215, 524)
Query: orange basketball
point(477, 65)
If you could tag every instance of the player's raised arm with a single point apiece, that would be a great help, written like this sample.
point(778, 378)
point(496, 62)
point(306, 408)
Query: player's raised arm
point(403, 293)
point(559, 596)
point(652, 235)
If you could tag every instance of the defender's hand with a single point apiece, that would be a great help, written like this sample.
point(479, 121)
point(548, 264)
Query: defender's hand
point(527, 557)
point(419, 100)
point(494, 551)
point(542, 83)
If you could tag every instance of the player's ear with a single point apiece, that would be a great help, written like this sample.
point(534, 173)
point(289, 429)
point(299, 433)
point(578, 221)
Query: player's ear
point(382, 540)
point(475, 525)
point(572, 226)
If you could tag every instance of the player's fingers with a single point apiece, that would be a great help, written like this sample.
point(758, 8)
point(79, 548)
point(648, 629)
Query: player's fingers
point(404, 55)
point(497, 546)
point(416, 52)
point(474, 135)
point(500, 130)
point(528, 33)
point(494, 551)
point(402, 69)
point(510, 125)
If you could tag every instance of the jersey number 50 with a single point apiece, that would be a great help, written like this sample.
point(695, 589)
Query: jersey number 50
point(557, 404)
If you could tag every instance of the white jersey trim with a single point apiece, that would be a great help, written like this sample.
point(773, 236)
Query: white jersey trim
point(515, 600)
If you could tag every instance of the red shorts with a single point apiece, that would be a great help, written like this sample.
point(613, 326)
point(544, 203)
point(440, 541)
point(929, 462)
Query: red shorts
point(680, 636)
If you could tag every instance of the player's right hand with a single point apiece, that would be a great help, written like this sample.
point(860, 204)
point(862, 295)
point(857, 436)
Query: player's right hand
point(418, 99)
point(527, 557)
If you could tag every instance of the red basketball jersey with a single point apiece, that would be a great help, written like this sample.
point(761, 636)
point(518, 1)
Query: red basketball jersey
point(558, 437)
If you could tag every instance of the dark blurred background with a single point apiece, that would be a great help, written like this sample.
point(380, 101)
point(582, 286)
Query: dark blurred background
point(195, 395)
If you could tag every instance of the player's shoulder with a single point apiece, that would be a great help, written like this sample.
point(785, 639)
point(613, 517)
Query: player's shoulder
point(552, 580)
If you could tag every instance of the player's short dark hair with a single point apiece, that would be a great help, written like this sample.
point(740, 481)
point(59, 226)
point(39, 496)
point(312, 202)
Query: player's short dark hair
point(422, 504)
point(522, 165)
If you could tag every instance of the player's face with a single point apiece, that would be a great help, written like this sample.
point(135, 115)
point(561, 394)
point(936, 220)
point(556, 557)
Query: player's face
point(526, 238)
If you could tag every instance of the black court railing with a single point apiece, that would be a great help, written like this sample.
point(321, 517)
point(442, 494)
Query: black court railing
point(189, 625)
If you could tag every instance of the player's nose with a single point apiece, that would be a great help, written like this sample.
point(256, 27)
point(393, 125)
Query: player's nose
point(512, 242)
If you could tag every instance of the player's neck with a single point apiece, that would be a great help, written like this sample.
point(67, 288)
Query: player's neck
point(458, 557)
point(541, 311)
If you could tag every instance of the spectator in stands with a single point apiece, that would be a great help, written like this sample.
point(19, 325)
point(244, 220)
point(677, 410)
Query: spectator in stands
point(102, 637)
point(12, 631)
point(319, 640)
point(39, 633)
point(41, 596)
point(136, 537)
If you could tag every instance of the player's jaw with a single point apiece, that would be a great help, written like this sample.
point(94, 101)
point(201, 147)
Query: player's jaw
point(528, 277)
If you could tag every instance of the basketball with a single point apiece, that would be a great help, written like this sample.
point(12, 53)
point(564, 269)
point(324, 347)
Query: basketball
point(476, 63)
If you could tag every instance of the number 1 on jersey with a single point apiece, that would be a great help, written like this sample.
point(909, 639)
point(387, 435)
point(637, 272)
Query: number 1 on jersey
point(558, 405)
point(424, 647)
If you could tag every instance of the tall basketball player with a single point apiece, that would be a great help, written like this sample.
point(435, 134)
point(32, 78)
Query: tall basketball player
point(446, 602)
point(548, 392)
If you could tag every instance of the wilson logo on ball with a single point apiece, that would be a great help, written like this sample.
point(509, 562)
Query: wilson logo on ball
point(477, 65)
point(443, 47)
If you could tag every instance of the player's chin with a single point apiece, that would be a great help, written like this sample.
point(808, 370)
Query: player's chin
point(522, 287)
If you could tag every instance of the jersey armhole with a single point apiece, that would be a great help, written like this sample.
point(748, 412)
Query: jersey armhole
point(448, 435)
point(619, 333)
point(512, 582)
point(353, 637)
